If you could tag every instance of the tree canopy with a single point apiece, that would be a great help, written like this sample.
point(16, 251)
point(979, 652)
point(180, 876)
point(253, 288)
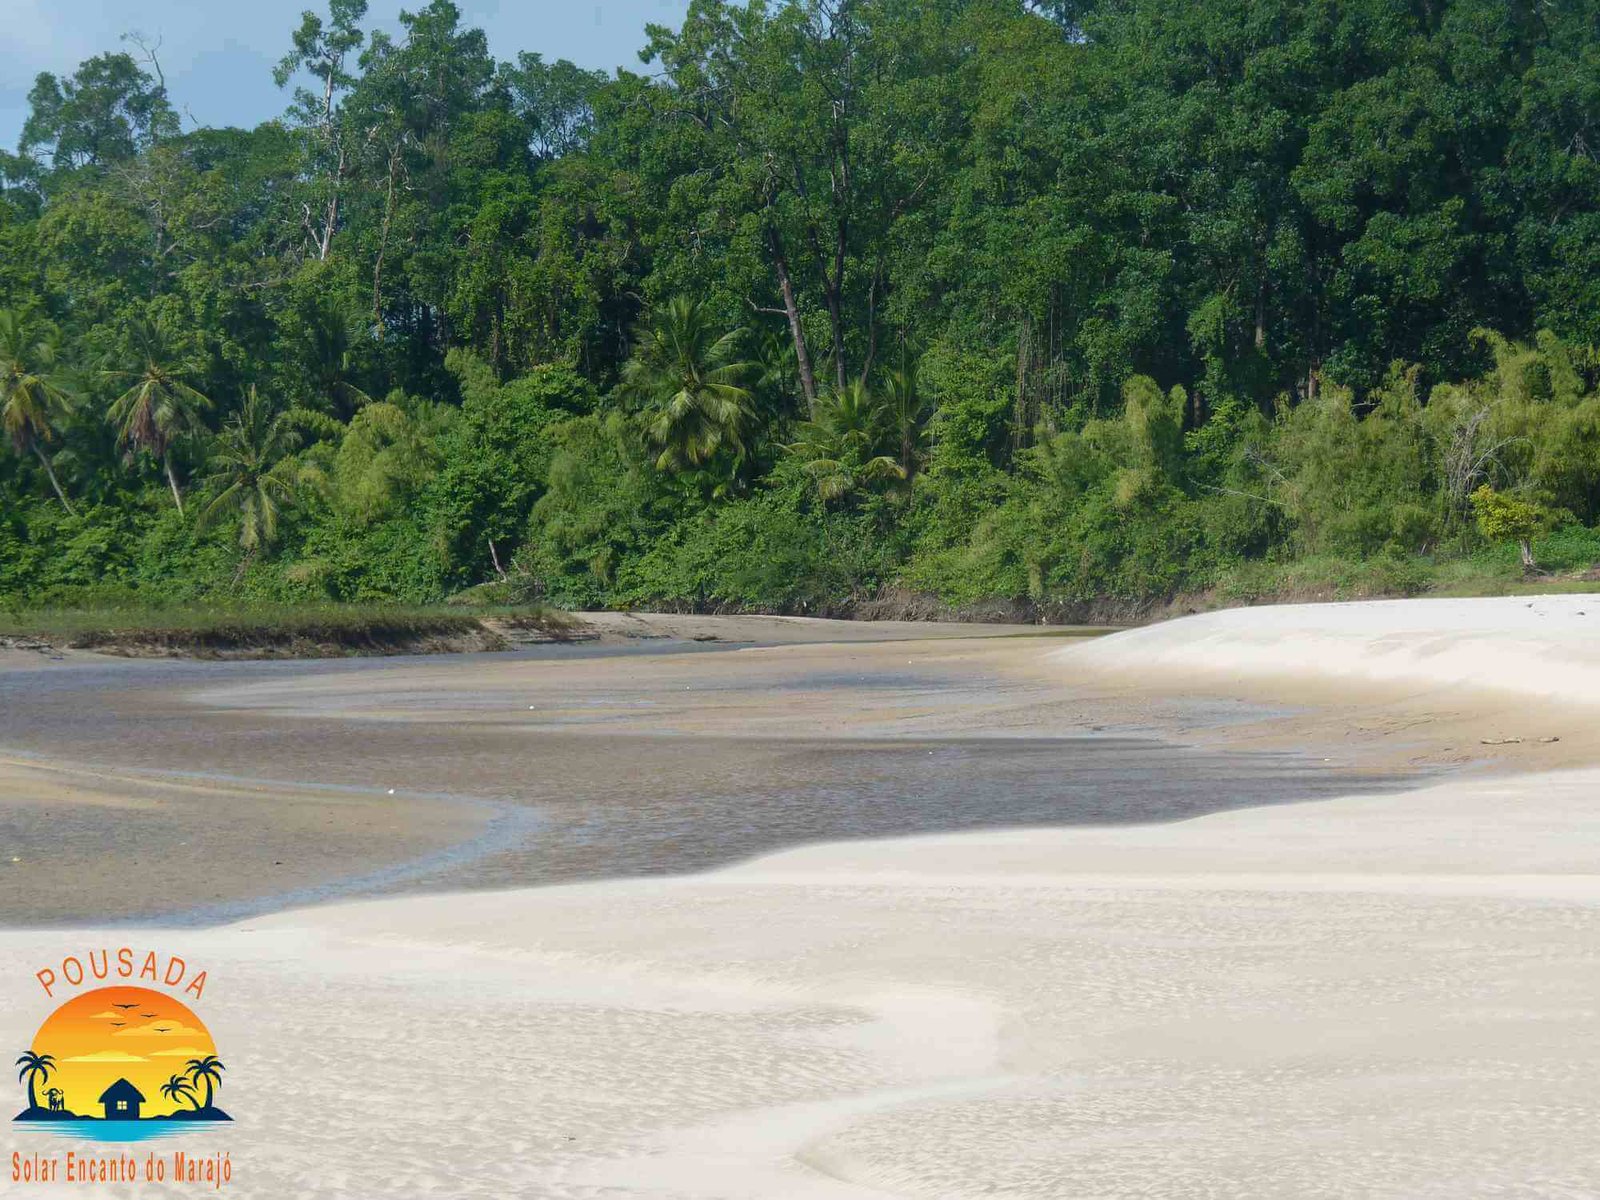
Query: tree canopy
point(1038, 302)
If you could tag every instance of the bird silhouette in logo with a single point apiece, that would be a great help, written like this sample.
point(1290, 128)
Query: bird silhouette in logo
point(82, 1052)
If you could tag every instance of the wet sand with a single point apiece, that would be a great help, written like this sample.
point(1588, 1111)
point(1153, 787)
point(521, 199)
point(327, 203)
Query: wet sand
point(275, 784)
point(1381, 995)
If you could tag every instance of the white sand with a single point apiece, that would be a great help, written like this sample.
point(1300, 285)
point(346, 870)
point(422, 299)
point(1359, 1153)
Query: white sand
point(1370, 997)
point(1545, 646)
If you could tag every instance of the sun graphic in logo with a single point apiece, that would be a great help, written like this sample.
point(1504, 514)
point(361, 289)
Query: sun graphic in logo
point(119, 1057)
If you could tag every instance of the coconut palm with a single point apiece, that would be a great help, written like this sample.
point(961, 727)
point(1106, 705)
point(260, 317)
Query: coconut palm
point(34, 399)
point(36, 1069)
point(161, 405)
point(776, 375)
point(179, 1088)
point(252, 475)
point(905, 416)
point(687, 381)
point(210, 1070)
point(842, 447)
point(331, 359)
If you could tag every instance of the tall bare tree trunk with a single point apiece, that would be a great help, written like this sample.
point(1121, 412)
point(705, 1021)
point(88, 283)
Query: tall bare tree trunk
point(835, 285)
point(1020, 414)
point(331, 221)
point(172, 481)
point(802, 355)
point(383, 240)
point(332, 218)
point(872, 325)
point(54, 482)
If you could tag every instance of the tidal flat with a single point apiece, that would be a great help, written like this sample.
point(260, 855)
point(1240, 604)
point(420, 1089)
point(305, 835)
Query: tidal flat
point(197, 792)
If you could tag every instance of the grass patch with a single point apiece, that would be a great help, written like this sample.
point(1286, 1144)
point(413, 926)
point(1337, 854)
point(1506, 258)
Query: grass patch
point(1565, 568)
point(285, 631)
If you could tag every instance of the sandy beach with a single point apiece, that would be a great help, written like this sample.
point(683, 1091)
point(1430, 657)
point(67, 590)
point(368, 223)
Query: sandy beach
point(1386, 993)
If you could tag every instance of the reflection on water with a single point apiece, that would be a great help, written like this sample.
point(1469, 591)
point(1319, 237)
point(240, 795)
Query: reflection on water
point(566, 803)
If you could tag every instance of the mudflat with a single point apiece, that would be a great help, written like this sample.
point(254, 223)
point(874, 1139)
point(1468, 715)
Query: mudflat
point(198, 792)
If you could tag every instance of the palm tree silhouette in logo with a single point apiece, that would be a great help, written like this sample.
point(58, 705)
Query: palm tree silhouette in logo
point(178, 1087)
point(36, 1069)
point(210, 1070)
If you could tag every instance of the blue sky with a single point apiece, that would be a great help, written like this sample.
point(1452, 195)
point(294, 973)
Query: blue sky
point(218, 54)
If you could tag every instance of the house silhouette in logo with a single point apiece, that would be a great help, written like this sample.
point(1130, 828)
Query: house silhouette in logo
point(122, 1101)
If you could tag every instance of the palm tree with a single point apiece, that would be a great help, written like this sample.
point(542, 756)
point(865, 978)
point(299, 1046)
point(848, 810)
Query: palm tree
point(905, 413)
point(36, 1068)
point(331, 360)
point(776, 372)
point(251, 472)
point(161, 405)
point(210, 1069)
point(687, 380)
point(33, 398)
point(842, 447)
point(177, 1088)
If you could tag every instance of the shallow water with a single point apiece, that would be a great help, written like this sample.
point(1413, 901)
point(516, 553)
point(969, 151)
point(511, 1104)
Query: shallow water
point(113, 1131)
point(587, 792)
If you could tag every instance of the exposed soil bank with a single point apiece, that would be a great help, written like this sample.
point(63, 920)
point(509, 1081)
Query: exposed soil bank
point(904, 604)
point(315, 633)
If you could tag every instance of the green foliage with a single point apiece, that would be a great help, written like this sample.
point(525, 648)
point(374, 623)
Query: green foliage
point(687, 381)
point(34, 398)
point(385, 456)
point(104, 113)
point(496, 463)
point(1058, 303)
point(852, 442)
point(1508, 518)
point(602, 507)
point(252, 478)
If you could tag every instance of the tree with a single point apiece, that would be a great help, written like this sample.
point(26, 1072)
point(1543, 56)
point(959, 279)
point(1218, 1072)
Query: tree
point(33, 398)
point(161, 405)
point(1503, 517)
point(413, 94)
point(687, 380)
point(843, 448)
point(322, 50)
point(555, 101)
point(252, 475)
point(387, 453)
point(905, 411)
point(108, 111)
point(36, 1068)
point(822, 130)
point(208, 1070)
point(329, 358)
point(177, 1088)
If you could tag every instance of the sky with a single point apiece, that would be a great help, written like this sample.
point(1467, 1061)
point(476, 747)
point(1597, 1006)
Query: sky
point(218, 54)
point(104, 1035)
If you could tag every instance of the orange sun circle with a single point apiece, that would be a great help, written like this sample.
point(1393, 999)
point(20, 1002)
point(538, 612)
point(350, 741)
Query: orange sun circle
point(122, 1033)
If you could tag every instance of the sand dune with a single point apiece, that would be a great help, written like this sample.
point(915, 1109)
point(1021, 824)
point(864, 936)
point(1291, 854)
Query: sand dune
point(1543, 647)
point(1372, 996)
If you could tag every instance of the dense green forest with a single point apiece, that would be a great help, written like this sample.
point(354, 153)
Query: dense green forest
point(1044, 305)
